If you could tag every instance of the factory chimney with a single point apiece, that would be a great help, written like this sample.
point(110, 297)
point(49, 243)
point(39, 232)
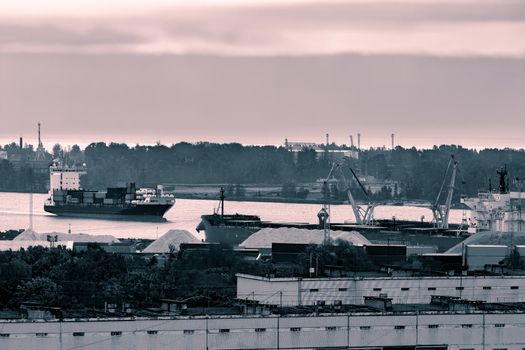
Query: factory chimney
point(39, 139)
point(392, 142)
point(21, 142)
point(358, 141)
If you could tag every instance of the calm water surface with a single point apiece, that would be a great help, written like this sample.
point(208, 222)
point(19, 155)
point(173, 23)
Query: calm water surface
point(185, 214)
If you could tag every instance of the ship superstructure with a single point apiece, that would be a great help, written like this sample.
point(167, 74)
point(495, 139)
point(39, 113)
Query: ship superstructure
point(68, 198)
point(500, 210)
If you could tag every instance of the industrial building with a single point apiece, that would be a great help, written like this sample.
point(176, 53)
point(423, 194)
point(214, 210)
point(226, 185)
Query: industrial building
point(446, 323)
point(296, 291)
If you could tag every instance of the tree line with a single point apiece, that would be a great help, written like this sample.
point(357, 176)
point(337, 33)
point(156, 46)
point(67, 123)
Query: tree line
point(419, 172)
point(206, 277)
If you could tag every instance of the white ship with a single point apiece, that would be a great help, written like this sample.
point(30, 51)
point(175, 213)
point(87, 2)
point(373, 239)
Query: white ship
point(499, 211)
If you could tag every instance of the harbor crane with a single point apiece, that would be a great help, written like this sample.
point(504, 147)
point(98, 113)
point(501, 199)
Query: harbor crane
point(440, 211)
point(363, 216)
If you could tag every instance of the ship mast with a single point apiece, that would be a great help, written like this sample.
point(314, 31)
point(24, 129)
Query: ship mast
point(221, 203)
point(502, 172)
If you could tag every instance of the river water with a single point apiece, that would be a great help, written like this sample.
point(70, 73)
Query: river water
point(185, 215)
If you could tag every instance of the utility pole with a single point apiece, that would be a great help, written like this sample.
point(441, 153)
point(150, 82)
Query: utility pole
point(31, 200)
point(31, 210)
point(520, 189)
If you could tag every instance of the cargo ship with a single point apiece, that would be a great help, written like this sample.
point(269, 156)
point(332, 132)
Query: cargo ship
point(67, 198)
point(233, 229)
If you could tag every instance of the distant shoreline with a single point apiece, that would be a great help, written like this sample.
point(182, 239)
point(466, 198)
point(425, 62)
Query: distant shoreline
point(400, 202)
point(255, 199)
point(215, 197)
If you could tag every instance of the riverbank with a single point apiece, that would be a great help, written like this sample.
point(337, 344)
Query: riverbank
point(253, 199)
point(302, 193)
point(215, 196)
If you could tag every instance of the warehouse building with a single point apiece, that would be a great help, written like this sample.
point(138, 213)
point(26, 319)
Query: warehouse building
point(294, 291)
point(439, 325)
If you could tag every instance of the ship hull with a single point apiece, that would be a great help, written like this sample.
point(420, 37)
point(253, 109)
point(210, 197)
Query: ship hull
point(234, 231)
point(133, 212)
point(227, 231)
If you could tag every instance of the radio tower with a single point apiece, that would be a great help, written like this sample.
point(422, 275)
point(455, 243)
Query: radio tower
point(40, 151)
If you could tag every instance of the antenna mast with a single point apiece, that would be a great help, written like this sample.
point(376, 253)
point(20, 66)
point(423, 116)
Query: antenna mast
point(40, 152)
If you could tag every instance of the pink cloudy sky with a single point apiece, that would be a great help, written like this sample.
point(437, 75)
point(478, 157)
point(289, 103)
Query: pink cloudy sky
point(260, 71)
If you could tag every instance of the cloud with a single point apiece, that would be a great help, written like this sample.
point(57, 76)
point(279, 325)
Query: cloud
point(445, 29)
point(65, 36)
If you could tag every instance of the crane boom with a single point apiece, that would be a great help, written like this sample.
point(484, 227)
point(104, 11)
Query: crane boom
point(355, 207)
point(362, 216)
point(441, 212)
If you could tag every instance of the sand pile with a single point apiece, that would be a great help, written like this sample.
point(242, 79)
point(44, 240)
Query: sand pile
point(266, 236)
point(30, 235)
point(171, 238)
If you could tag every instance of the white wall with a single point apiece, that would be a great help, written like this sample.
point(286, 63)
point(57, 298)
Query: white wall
point(297, 291)
point(459, 331)
point(66, 180)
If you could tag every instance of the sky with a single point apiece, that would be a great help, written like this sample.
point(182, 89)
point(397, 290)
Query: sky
point(257, 72)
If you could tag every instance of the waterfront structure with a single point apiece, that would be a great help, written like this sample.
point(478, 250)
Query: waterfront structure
point(296, 291)
point(333, 150)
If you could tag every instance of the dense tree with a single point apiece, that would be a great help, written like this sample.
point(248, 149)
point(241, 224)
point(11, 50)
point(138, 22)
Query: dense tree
point(61, 277)
point(289, 190)
point(57, 151)
point(418, 173)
